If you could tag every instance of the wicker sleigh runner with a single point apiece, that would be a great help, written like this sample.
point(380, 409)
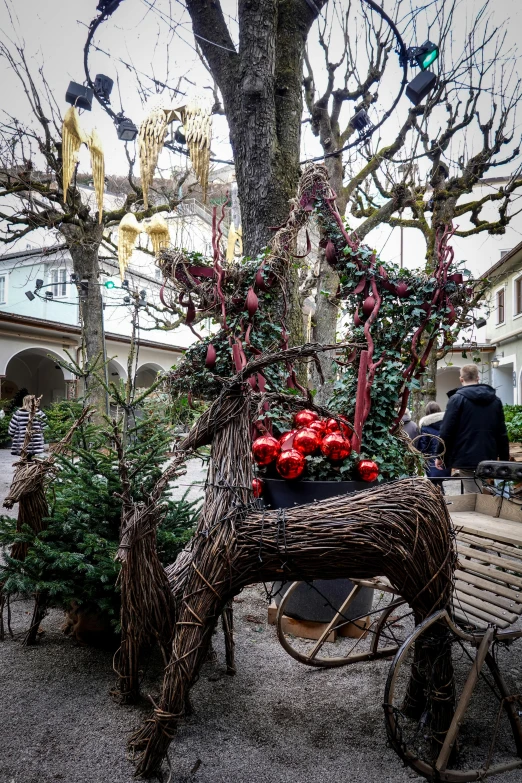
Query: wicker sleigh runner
point(401, 530)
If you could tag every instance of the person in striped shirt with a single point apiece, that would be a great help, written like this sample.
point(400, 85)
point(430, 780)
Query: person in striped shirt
point(18, 428)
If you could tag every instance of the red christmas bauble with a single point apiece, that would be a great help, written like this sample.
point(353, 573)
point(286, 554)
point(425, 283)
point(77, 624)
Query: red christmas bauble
point(335, 447)
point(319, 426)
point(332, 425)
point(265, 449)
point(257, 487)
point(304, 418)
point(290, 464)
point(307, 441)
point(286, 441)
point(367, 470)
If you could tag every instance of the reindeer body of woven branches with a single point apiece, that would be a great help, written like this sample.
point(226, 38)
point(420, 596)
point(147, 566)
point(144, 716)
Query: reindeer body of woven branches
point(401, 531)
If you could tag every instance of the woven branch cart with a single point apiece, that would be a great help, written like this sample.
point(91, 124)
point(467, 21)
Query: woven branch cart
point(484, 617)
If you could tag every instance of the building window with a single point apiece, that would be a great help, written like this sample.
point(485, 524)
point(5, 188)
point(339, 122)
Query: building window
point(3, 290)
point(59, 283)
point(500, 306)
point(518, 296)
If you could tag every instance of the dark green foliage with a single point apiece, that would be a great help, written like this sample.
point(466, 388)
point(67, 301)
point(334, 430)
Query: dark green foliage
point(73, 559)
point(60, 418)
point(513, 416)
point(265, 333)
point(7, 407)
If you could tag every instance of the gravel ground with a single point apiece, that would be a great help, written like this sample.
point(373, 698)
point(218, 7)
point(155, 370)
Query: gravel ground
point(276, 721)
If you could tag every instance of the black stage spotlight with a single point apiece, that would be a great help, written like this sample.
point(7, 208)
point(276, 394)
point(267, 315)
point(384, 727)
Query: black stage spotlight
point(126, 130)
point(79, 96)
point(30, 295)
point(360, 120)
point(419, 87)
point(103, 87)
point(39, 283)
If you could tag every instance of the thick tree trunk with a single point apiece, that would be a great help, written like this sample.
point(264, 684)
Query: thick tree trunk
point(83, 245)
point(261, 86)
point(326, 314)
point(325, 328)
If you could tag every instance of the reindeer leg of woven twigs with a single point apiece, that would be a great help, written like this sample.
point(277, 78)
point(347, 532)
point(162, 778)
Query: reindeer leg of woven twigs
point(148, 608)
point(227, 619)
point(188, 652)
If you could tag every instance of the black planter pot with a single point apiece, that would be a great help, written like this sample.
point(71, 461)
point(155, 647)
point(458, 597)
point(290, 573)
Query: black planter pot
point(320, 601)
point(278, 493)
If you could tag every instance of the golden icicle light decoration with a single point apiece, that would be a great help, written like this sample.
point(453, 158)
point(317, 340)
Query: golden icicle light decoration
point(158, 231)
point(234, 239)
point(128, 231)
point(197, 124)
point(150, 142)
point(72, 139)
point(98, 169)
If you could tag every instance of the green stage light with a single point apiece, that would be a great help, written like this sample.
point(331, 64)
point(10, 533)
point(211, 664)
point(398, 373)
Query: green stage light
point(109, 284)
point(427, 54)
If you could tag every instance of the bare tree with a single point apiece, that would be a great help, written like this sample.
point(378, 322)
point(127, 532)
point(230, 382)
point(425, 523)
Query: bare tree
point(421, 174)
point(31, 179)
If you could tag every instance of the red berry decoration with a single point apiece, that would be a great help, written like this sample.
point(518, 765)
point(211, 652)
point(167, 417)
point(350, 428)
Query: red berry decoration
point(286, 441)
point(290, 464)
point(336, 447)
point(332, 425)
point(257, 487)
point(307, 441)
point(319, 426)
point(367, 470)
point(304, 418)
point(265, 449)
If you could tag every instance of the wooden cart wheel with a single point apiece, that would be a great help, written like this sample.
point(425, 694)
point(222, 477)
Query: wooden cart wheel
point(390, 622)
point(450, 714)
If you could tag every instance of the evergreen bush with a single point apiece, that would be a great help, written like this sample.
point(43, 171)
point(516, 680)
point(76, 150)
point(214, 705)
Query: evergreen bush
point(72, 560)
point(513, 416)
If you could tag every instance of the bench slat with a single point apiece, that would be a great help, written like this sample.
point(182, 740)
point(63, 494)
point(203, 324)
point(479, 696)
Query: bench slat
point(472, 611)
point(487, 584)
point(489, 597)
point(488, 608)
point(493, 560)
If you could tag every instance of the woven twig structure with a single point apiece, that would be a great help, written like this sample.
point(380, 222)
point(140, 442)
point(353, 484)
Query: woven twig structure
point(28, 490)
point(400, 530)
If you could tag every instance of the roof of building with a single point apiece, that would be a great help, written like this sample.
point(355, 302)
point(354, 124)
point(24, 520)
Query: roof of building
point(34, 251)
point(506, 264)
point(71, 329)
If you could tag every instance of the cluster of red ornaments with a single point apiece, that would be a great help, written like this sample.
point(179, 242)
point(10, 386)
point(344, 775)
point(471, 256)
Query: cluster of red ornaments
point(311, 435)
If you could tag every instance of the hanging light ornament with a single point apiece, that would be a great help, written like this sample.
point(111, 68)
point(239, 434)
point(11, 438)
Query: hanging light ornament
point(128, 232)
point(98, 169)
point(151, 138)
point(72, 139)
point(197, 124)
point(235, 238)
point(158, 230)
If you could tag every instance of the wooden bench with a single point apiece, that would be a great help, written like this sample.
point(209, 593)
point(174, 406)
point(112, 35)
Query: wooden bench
point(488, 578)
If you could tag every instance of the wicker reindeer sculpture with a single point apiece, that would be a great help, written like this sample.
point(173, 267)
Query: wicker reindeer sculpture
point(400, 530)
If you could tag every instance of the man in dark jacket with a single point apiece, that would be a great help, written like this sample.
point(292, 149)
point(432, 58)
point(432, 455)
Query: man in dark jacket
point(473, 428)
